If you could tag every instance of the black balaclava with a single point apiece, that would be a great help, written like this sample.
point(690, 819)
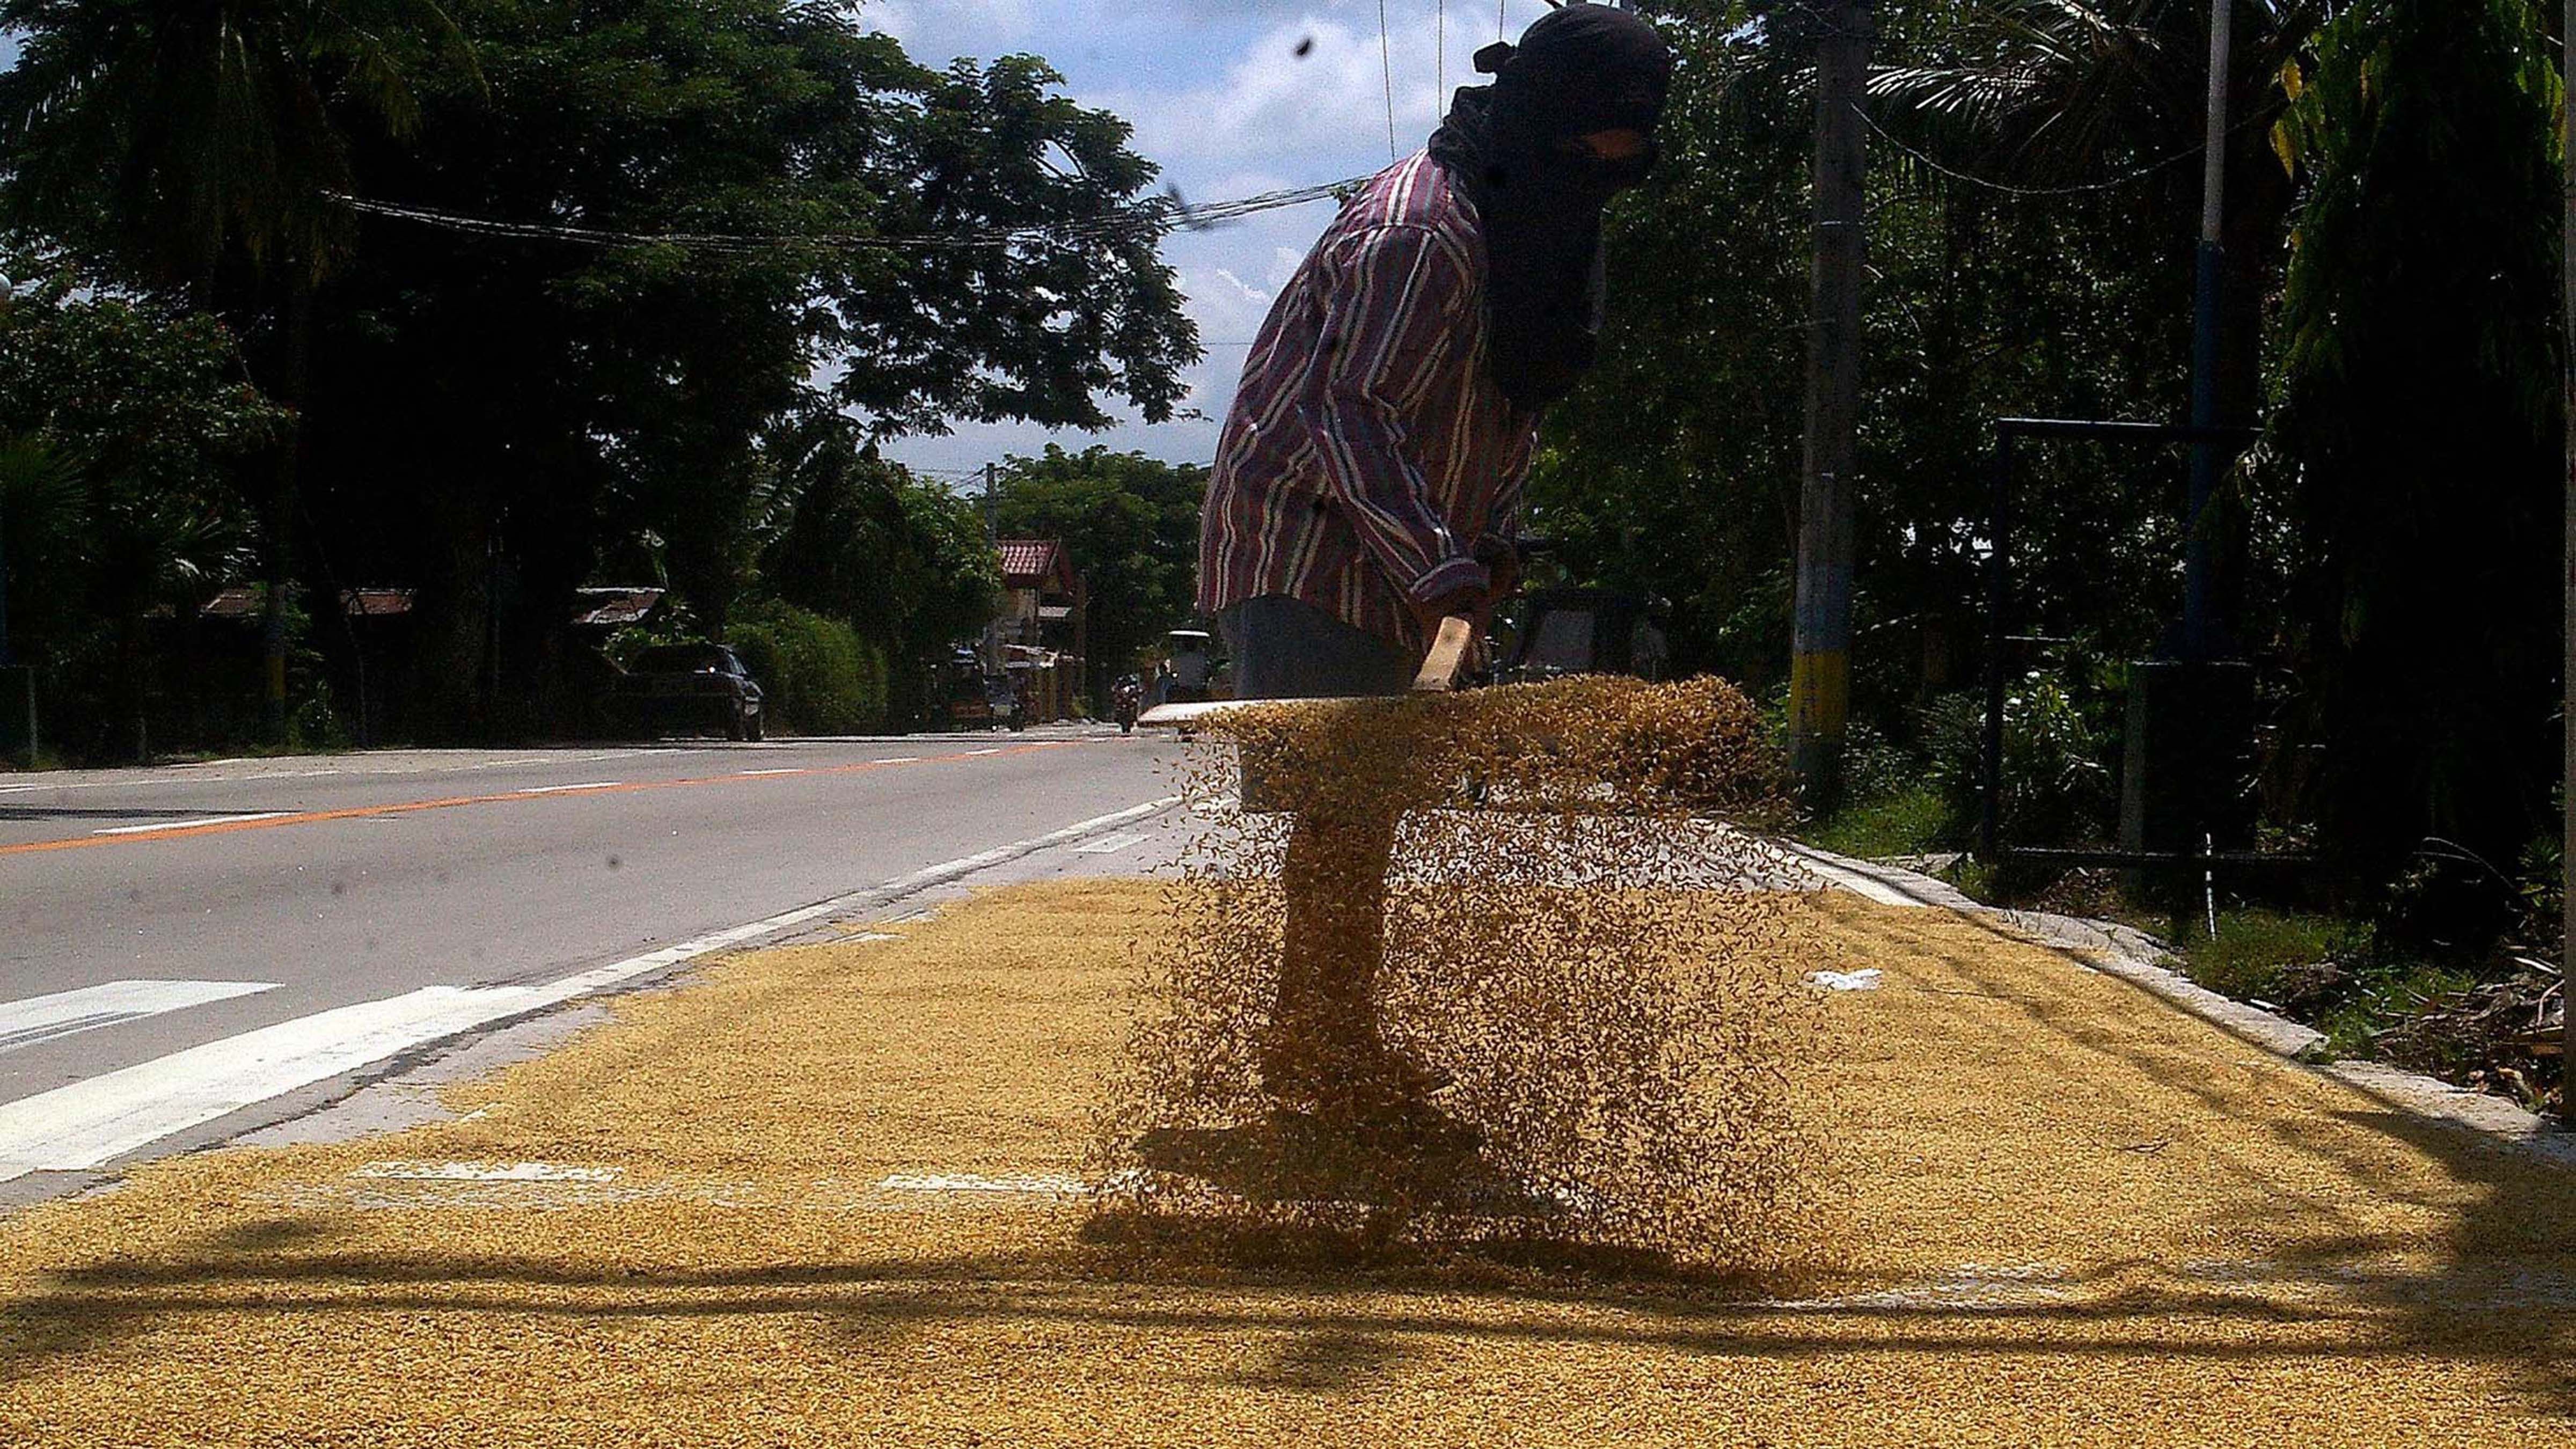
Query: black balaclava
point(1515, 147)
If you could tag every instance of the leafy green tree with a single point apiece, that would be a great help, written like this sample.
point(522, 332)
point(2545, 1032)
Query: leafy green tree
point(202, 144)
point(1130, 525)
point(133, 424)
point(861, 540)
point(2420, 429)
point(1674, 471)
point(504, 418)
point(2050, 94)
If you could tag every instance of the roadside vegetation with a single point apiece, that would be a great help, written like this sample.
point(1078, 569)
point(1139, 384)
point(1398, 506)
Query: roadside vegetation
point(388, 282)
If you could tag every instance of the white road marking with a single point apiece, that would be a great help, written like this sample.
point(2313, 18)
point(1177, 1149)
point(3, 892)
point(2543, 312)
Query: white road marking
point(1046, 1183)
point(485, 1172)
point(208, 771)
point(995, 750)
point(898, 760)
point(43, 1018)
point(558, 789)
point(192, 824)
point(91, 1123)
point(781, 770)
point(1110, 844)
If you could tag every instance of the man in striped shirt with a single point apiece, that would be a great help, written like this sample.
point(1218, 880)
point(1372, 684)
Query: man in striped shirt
point(1368, 478)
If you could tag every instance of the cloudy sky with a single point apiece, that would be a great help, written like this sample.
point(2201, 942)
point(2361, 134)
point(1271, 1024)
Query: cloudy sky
point(1221, 98)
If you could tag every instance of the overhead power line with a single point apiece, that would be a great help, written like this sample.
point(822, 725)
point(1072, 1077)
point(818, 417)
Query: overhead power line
point(1386, 67)
point(1145, 219)
point(2008, 188)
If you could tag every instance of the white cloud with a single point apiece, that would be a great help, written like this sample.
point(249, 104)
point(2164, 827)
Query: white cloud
point(1222, 100)
point(936, 31)
point(1279, 108)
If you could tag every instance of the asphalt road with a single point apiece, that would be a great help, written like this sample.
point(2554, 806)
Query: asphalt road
point(145, 913)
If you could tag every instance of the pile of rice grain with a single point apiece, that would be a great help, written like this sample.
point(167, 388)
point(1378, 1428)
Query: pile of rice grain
point(1576, 938)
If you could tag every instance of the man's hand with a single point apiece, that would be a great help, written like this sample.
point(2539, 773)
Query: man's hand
point(1472, 603)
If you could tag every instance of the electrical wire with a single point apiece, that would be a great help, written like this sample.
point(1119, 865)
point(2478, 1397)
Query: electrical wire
point(2126, 178)
point(2008, 188)
point(1145, 220)
point(1386, 67)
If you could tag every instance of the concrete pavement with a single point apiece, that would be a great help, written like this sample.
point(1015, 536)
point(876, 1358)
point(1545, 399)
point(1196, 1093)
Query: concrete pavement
point(172, 933)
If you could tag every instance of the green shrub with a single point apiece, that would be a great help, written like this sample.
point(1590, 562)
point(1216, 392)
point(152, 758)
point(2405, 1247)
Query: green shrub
point(2057, 790)
point(2387, 999)
point(816, 675)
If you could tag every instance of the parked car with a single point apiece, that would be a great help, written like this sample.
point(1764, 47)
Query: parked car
point(691, 687)
point(1583, 631)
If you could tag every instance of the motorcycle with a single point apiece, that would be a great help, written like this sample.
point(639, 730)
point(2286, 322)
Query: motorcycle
point(1129, 701)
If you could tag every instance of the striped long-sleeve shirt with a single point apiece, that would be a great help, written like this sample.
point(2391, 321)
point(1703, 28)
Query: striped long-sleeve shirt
point(1368, 452)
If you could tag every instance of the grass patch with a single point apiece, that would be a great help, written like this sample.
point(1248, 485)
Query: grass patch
point(2271, 956)
point(1908, 821)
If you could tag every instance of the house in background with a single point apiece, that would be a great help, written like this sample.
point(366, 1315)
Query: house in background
point(1041, 632)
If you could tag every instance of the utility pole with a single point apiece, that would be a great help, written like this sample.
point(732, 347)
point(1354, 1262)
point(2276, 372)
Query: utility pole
point(1820, 664)
point(2567, 943)
point(993, 544)
point(2198, 642)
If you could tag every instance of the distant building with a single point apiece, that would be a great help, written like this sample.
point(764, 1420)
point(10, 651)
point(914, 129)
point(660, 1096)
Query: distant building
point(1040, 634)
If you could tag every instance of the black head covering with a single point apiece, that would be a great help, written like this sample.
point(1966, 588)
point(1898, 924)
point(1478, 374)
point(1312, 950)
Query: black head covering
point(1515, 147)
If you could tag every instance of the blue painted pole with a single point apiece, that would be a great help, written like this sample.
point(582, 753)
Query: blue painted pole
point(2198, 633)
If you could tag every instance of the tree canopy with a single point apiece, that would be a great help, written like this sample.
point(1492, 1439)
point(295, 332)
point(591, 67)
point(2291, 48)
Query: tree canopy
point(586, 264)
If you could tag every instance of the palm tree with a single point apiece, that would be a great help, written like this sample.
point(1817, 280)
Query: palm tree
point(197, 144)
point(2050, 93)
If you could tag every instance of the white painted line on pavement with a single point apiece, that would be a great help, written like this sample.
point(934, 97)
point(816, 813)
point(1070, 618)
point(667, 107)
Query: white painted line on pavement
point(91, 1123)
point(898, 760)
point(192, 824)
point(1110, 844)
point(1033, 1183)
point(559, 789)
point(43, 1018)
point(484, 1172)
point(995, 750)
point(780, 770)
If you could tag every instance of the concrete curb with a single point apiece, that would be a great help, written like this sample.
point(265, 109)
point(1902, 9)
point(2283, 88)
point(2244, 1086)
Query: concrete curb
point(2137, 958)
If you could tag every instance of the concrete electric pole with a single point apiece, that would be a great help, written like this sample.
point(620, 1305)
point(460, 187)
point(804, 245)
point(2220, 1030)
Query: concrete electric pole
point(2567, 858)
point(2198, 628)
point(1820, 664)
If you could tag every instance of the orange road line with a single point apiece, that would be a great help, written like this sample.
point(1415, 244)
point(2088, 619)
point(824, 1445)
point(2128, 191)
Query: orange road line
point(451, 802)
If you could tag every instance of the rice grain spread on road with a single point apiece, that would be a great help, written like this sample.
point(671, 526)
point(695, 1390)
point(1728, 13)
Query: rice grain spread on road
point(825, 1195)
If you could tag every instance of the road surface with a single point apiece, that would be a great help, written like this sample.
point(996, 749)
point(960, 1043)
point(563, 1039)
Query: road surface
point(174, 941)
